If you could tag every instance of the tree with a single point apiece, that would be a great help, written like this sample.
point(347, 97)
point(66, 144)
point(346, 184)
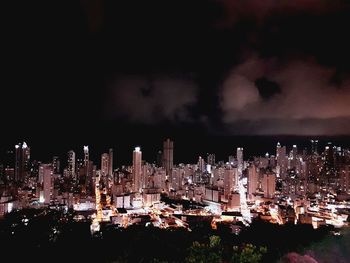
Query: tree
point(248, 254)
point(205, 253)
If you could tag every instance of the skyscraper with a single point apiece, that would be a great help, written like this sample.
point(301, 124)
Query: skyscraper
point(281, 160)
point(168, 149)
point(136, 169)
point(253, 181)
point(104, 164)
point(71, 164)
point(230, 181)
point(86, 156)
point(56, 165)
point(240, 161)
point(22, 158)
point(314, 147)
point(294, 155)
point(211, 158)
point(269, 184)
point(45, 171)
point(110, 162)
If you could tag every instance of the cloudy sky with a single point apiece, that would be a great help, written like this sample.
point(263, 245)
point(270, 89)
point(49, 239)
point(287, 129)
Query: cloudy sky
point(227, 67)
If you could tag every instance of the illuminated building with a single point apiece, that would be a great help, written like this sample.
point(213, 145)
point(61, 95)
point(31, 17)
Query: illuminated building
point(211, 159)
point(104, 164)
point(71, 164)
point(201, 164)
point(56, 165)
point(46, 171)
point(314, 149)
point(269, 185)
point(281, 159)
point(230, 181)
point(345, 179)
point(136, 169)
point(240, 161)
point(110, 162)
point(22, 158)
point(253, 181)
point(168, 151)
point(86, 155)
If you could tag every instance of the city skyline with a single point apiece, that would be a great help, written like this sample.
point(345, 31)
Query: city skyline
point(175, 131)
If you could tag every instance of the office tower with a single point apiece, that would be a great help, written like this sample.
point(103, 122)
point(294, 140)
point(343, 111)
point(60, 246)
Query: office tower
point(230, 181)
point(294, 155)
point(71, 164)
point(231, 160)
point(253, 181)
point(240, 161)
point(314, 149)
point(45, 171)
point(345, 179)
point(281, 159)
point(201, 164)
point(86, 156)
point(269, 185)
point(136, 169)
point(56, 165)
point(104, 164)
point(211, 158)
point(110, 162)
point(22, 158)
point(168, 149)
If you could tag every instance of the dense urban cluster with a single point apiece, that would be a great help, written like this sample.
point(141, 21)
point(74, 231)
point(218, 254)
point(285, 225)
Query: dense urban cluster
point(309, 186)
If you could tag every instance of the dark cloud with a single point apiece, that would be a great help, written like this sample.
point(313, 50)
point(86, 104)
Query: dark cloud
point(236, 10)
point(308, 101)
point(144, 100)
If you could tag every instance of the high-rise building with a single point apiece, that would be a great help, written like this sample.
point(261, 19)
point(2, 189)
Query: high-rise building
point(230, 180)
point(104, 164)
point(71, 164)
point(211, 159)
point(201, 164)
point(240, 161)
point(136, 169)
point(294, 156)
point(281, 160)
point(45, 171)
point(253, 181)
point(345, 179)
point(86, 156)
point(22, 158)
point(168, 150)
point(56, 165)
point(269, 185)
point(314, 148)
point(110, 163)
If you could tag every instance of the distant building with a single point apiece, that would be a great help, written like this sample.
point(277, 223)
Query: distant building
point(253, 181)
point(240, 161)
point(168, 151)
point(230, 181)
point(104, 164)
point(22, 159)
point(71, 164)
point(45, 171)
point(110, 163)
point(56, 165)
point(136, 169)
point(269, 185)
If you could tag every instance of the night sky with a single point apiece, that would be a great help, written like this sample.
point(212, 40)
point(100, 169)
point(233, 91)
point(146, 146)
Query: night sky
point(82, 71)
